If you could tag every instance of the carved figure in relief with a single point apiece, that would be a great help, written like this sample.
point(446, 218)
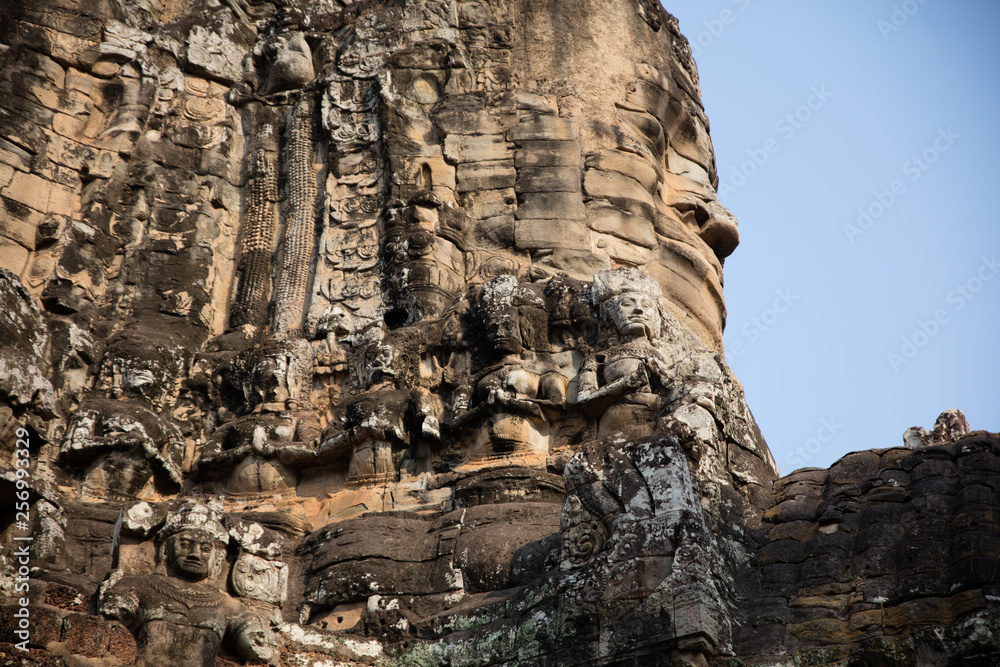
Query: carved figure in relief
point(514, 399)
point(424, 251)
point(623, 384)
point(179, 615)
point(123, 442)
point(571, 324)
point(632, 521)
point(263, 450)
point(259, 576)
point(389, 420)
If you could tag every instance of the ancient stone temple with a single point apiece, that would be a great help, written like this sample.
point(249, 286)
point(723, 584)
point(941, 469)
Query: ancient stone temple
point(390, 333)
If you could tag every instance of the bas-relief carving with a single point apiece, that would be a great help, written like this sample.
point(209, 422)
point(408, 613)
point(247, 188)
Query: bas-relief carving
point(253, 290)
point(391, 425)
point(259, 576)
point(263, 450)
point(634, 539)
point(423, 246)
point(625, 381)
point(300, 231)
point(516, 396)
point(125, 441)
point(410, 339)
point(180, 614)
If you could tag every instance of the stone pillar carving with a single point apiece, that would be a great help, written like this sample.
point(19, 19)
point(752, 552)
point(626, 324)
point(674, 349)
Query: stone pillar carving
point(300, 233)
point(259, 575)
point(632, 521)
point(254, 289)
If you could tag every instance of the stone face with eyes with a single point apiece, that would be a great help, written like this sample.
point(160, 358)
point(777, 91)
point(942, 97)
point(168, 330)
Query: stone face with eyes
point(192, 555)
point(504, 330)
point(635, 315)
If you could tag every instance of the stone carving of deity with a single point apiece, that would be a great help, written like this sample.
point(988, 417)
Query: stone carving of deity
point(516, 396)
point(123, 441)
point(623, 383)
point(180, 615)
point(264, 449)
point(424, 251)
point(382, 422)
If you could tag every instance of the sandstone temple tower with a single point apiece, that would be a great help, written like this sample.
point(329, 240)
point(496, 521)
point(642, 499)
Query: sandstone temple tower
point(390, 333)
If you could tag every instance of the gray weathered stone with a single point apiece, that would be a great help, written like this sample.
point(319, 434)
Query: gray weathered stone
point(550, 206)
point(493, 175)
point(475, 148)
point(548, 179)
point(392, 332)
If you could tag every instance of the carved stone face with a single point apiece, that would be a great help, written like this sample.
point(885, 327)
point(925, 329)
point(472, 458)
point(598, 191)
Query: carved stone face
point(141, 364)
point(275, 374)
point(504, 329)
point(634, 314)
point(424, 216)
point(135, 378)
point(380, 360)
point(192, 555)
point(292, 66)
point(269, 380)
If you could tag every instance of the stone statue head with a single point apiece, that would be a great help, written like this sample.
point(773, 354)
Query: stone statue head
point(275, 372)
point(139, 364)
point(193, 555)
point(380, 362)
point(628, 302)
point(388, 357)
point(292, 63)
point(512, 315)
point(503, 328)
point(192, 542)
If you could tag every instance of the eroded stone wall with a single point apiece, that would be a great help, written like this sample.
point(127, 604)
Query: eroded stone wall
point(380, 333)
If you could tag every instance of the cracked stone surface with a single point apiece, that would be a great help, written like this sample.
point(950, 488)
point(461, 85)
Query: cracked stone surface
point(390, 333)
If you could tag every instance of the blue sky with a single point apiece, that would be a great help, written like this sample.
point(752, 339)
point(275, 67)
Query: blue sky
point(857, 143)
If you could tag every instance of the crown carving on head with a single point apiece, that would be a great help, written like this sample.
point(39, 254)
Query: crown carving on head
point(205, 516)
point(505, 291)
point(610, 283)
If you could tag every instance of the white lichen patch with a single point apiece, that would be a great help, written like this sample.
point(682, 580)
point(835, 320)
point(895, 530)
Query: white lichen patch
point(368, 649)
point(311, 640)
